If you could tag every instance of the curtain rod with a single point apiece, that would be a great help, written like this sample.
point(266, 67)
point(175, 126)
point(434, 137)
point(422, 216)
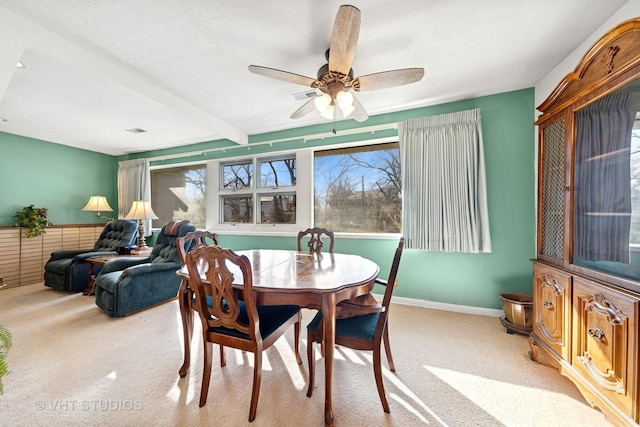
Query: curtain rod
point(320, 135)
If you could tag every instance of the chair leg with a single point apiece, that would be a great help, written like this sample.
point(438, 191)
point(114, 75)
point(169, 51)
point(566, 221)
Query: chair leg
point(223, 360)
point(188, 334)
point(377, 372)
point(311, 361)
point(387, 349)
point(257, 376)
point(206, 373)
point(187, 315)
point(296, 339)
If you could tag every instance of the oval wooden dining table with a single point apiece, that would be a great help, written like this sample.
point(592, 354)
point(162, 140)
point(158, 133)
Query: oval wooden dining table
point(316, 281)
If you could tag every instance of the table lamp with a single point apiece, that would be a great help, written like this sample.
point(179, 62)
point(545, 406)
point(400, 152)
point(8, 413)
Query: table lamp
point(141, 210)
point(98, 204)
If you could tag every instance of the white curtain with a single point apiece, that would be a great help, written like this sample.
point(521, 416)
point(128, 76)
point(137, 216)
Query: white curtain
point(134, 183)
point(444, 197)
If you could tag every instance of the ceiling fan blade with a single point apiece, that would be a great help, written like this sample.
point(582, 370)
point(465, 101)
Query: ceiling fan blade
point(359, 114)
point(306, 108)
point(281, 75)
point(344, 39)
point(387, 79)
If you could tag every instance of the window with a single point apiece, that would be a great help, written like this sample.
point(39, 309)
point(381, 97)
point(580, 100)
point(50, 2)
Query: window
point(179, 193)
point(237, 209)
point(276, 173)
point(278, 209)
point(237, 176)
point(357, 189)
point(273, 196)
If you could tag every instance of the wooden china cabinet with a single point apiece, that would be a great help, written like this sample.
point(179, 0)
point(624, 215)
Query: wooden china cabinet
point(586, 290)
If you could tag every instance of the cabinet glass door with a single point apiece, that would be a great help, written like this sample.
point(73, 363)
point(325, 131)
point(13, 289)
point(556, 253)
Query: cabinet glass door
point(606, 226)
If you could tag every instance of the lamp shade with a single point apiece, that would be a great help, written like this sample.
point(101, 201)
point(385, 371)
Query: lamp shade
point(97, 204)
point(141, 210)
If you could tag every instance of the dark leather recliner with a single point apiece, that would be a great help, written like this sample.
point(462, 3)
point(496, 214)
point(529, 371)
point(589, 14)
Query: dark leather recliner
point(67, 270)
point(126, 285)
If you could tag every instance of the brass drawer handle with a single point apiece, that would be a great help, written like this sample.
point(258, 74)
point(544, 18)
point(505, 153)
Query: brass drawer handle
point(596, 333)
point(548, 305)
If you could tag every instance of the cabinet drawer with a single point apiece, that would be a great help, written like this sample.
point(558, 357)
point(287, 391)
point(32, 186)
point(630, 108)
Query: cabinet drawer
point(552, 309)
point(605, 340)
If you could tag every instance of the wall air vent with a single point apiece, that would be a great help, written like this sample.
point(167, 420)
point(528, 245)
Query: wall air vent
point(136, 130)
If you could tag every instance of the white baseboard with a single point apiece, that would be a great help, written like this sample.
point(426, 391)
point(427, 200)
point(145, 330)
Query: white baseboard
point(490, 312)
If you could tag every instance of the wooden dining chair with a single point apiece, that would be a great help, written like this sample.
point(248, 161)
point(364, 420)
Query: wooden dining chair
point(365, 331)
point(186, 243)
point(314, 239)
point(230, 322)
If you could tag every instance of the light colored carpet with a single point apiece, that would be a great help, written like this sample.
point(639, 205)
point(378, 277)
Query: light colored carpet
point(72, 365)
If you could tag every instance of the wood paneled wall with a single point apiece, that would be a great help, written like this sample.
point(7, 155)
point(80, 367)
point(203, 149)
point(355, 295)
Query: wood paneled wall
point(22, 258)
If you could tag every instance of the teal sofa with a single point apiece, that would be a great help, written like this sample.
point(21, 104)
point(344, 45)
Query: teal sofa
point(68, 270)
point(126, 285)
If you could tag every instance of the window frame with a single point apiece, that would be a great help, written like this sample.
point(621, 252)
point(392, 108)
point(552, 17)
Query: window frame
point(304, 190)
point(304, 208)
point(190, 165)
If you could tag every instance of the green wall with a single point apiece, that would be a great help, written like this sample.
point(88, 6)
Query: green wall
point(453, 278)
point(62, 179)
point(54, 176)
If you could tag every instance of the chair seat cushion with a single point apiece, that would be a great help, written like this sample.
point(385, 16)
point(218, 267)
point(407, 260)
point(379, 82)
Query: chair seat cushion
point(363, 327)
point(271, 318)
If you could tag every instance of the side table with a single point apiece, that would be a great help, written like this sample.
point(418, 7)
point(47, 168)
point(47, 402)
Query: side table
point(102, 260)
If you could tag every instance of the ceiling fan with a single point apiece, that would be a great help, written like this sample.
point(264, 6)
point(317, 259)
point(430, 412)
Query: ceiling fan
point(331, 92)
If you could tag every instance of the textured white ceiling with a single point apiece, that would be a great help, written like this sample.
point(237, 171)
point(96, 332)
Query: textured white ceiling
point(178, 68)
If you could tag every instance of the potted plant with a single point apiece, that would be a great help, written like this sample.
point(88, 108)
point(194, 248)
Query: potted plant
point(34, 219)
point(5, 345)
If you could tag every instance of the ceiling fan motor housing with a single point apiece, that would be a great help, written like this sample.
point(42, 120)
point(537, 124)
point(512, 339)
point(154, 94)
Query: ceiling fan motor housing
point(332, 82)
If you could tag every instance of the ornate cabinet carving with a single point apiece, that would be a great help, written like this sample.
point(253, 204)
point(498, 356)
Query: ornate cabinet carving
point(552, 294)
point(605, 341)
point(586, 287)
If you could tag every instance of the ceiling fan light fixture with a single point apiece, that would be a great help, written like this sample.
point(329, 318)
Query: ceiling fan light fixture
point(322, 102)
point(345, 99)
point(345, 102)
point(327, 113)
point(347, 110)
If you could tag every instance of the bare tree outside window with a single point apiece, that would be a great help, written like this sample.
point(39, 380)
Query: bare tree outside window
point(358, 189)
point(273, 206)
point(238, 209)
point(237, 175)
point(278, 173)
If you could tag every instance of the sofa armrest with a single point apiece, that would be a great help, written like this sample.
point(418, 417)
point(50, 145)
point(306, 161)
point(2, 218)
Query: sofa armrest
point(85, 255)
point(122, 263)
point(148, 267)
point(70, 253)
